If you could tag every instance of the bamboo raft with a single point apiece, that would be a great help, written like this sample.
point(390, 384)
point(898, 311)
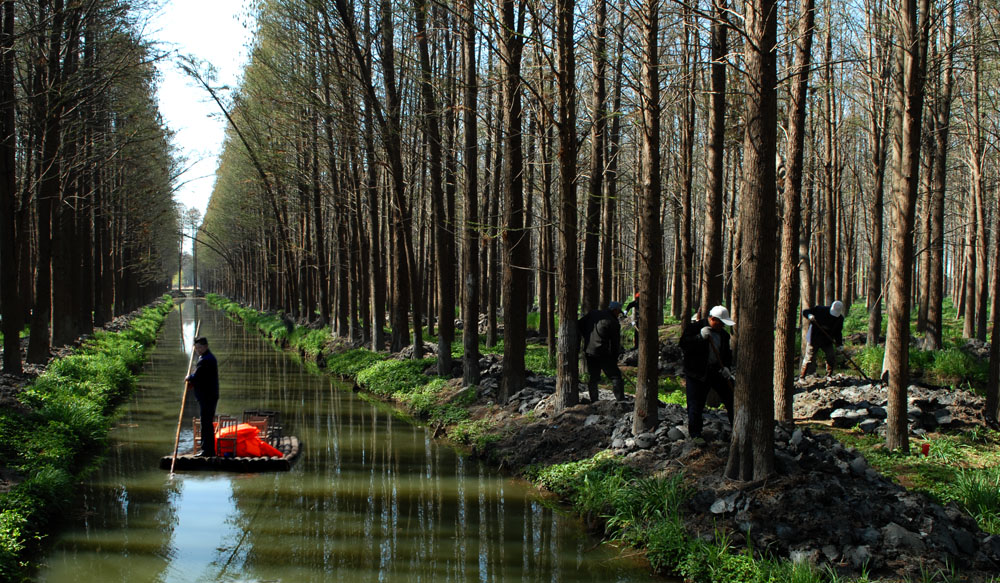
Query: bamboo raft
point(269, 430)
point(288, 445)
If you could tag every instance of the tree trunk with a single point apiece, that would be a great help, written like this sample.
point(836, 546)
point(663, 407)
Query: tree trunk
point(751, 453)
point(712, 284)
point(444, 263)
point(913, 30)
point(517, 242)
point(567, 367)
point(788, 293)
point(50, 111)
point(11, 301)
point(591, 298)
point(650, 252)
point(935, 274)
point(470, 248)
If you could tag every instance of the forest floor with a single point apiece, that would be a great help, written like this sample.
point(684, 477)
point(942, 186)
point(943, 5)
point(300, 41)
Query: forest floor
point(825, 503)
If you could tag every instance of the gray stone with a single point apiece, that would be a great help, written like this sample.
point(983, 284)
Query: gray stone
point(645, 440)
point(869, 535)
point(943, 416)
point(726, 504)
point(796, 437)
point(859, 465)
point(897, 537)
point(676, 434)
point(878, 412)
point(591, 420)
point(870, 425)
point(630, 443)
point(858, 557)
point(965, 542)
point(618, 443)
point(831, 553)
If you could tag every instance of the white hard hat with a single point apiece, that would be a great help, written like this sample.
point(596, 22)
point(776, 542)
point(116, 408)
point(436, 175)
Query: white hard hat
point(837, 309)
point(721, 313)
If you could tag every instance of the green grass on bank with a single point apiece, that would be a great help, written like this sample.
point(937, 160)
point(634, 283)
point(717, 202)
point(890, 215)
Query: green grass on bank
point(62, 430)
point(645, 512)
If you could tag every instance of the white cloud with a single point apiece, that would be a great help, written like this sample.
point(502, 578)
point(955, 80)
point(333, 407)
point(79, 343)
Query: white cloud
point(214, 31)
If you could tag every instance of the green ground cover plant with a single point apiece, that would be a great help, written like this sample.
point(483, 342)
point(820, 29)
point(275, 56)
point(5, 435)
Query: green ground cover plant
point(61, 429)
point(645, 512)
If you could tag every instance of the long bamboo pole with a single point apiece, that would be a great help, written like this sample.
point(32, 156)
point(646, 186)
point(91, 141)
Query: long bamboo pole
point(180, 416)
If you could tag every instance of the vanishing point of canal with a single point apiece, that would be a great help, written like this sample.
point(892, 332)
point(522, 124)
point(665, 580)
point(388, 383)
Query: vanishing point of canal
point(373, 498)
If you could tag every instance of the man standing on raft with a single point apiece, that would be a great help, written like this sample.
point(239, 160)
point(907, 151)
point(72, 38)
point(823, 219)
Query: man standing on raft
point(205, 382)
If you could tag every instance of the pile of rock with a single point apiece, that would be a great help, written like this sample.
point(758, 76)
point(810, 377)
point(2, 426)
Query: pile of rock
point(864, 406)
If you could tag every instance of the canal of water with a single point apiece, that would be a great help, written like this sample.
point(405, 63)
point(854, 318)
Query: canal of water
point(372, 499)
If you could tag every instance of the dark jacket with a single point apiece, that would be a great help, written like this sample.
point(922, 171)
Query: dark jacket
point(833, 325)
point(205, 377)
point(600, 333)
point(697, 351)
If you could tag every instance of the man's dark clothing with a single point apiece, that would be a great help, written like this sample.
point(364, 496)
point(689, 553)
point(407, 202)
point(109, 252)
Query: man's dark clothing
point(832, 325)
point(205, 381)
point(600, 334)
point(703, 372)
point(830, 334)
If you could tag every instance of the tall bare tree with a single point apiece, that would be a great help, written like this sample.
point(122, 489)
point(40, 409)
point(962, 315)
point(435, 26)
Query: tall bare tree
point(650, 252)
point(788, 292)
point(751, 453)
point(713, 279)
point(517, 242)
point(11, 300)
point(567, 274)
point(591, 284)
point(942, 114)
point(913, 26)
point(470, 248)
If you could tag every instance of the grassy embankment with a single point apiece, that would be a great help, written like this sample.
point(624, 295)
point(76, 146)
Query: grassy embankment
point(59, 432)
point(643, 511)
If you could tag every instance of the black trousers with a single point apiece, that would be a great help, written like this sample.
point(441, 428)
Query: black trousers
point(608, 365)
point(206, 405)
point(697, 395)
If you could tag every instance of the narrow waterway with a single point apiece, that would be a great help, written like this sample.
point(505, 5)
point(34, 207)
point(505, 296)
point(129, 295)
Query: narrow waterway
point(372, 499)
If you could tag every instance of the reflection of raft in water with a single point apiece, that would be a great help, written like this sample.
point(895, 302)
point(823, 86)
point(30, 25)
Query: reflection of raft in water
point(254, 445)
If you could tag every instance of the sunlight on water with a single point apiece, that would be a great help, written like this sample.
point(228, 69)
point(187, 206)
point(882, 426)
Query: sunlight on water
point(372, 499)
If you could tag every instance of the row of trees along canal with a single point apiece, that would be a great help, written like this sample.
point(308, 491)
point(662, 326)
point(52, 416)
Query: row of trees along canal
point(419, 157)
point(88, 227)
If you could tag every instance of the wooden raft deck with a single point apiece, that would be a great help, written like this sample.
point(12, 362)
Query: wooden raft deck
point(289, 446)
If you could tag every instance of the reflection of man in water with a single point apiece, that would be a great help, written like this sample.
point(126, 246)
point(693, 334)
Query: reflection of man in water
point(205, 382)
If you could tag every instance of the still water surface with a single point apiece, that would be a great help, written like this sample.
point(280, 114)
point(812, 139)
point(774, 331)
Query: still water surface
point(372, 499)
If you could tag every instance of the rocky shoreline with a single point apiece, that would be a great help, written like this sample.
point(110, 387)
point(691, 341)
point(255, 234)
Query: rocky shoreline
point(825, 504)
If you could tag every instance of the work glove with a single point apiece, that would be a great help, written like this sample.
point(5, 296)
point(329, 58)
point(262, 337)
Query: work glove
point(706, 332)
point(726, 373)
point(812, 318)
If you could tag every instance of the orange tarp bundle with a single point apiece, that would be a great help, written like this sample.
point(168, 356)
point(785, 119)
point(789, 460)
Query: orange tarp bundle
point(248, 442)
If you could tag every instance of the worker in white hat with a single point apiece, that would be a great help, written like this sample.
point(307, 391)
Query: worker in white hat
point(826, 333)
point(707, 363)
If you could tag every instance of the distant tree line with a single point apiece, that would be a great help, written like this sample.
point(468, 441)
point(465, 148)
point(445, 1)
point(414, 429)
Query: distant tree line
point(407, 161)
point(87, 220)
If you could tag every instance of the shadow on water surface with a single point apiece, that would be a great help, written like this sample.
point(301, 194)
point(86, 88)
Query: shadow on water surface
point(372, 498)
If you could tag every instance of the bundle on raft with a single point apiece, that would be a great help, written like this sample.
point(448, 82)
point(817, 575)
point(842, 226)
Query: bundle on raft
point(254, 445)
